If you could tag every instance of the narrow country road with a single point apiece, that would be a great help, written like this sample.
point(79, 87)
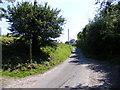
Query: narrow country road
point(76, 72)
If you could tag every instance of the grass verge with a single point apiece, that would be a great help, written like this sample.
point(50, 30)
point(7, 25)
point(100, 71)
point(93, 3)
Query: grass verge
point(56, 56)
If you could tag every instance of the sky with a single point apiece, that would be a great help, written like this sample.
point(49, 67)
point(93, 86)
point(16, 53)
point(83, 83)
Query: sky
point(76, 12)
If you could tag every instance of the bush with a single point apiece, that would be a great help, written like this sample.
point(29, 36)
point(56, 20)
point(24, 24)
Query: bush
point(61, 52)
point(17, 65)
point(4, 40)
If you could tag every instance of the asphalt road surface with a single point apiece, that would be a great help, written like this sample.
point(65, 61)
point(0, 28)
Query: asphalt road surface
point(79, 72)
point(76, 72)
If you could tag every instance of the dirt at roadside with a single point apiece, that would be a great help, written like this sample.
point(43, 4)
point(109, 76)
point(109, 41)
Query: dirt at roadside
point(4, 81)
point(25, 82)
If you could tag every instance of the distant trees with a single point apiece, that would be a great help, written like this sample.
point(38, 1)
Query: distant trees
point(71, 42)
point(101, 37)
point(67, 42)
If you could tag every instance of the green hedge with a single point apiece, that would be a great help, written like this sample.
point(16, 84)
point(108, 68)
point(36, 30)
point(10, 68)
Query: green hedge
point(57, 54)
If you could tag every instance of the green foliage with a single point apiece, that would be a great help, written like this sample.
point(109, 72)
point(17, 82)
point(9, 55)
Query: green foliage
point(16, 65)
point(2, 10)
point(104, 3)
point(21, 74)
point(61, 52)
point(48, 49)
point(4, 40)
point(39, 22)
point(71, 42)
point(101, 37)
point(47, 63)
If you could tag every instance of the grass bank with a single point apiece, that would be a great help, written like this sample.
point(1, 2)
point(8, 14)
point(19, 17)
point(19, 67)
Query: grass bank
point(16, 58)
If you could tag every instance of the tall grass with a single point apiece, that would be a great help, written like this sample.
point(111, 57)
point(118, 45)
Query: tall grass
point(61, 52)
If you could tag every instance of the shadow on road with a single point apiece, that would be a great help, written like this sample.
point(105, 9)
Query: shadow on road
point(112, 73)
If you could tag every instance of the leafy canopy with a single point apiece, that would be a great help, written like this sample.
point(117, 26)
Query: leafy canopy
point(101, 37)
point(35, 21)
point(2, 10)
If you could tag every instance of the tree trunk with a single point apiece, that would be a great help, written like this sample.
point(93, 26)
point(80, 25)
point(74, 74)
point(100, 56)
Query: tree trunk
point(30, 50)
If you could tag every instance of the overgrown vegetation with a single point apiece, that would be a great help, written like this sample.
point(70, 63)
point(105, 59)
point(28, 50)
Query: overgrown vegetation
point(30, 47)
point(101, 37)
point(36, 25)
point(60, 53)
point(15, 61)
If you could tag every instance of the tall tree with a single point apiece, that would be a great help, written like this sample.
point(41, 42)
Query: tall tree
point(101, 37)
point(2, 10)
point(41, 23)
point(104, 3)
